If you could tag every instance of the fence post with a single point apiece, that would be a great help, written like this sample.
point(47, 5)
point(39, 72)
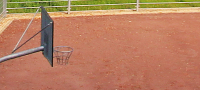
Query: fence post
point(5, 7)
point(137, 6)
point(69, 4)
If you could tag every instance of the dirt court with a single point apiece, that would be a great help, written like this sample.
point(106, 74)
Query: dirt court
point(111, 52)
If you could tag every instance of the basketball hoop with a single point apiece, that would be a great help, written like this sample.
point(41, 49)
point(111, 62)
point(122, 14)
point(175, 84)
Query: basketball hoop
point(62, 54)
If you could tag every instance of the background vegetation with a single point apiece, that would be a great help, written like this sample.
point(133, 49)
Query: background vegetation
point(30, 3)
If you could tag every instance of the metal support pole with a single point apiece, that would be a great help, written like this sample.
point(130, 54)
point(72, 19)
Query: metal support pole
point(137, 6)
point(69, 8)
point(26, 29)
point(19, 54)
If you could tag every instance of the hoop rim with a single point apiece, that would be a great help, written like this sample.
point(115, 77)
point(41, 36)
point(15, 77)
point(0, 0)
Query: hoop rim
point(63, 51)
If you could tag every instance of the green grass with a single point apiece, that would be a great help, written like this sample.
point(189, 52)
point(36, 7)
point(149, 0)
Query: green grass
point(93, 2)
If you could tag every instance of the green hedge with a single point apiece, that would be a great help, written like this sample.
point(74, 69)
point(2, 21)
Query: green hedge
point(92, 2)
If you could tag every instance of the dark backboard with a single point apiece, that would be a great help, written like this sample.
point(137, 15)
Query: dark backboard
point(47, 27)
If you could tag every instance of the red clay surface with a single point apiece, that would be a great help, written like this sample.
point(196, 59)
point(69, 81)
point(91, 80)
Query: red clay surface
point(121, 52)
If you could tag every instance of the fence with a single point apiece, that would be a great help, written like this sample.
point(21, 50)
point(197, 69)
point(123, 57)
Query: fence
point(2, 8)
point(74, 5)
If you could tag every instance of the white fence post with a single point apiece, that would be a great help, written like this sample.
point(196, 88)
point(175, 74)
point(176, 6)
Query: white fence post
point(5, 6)
point(138, 5)
point(69, 8)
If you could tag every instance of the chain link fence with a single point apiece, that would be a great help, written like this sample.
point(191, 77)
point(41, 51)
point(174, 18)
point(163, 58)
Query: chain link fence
point(3, 6)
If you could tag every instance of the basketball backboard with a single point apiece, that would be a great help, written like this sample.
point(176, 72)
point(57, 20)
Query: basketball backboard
point(47, 27)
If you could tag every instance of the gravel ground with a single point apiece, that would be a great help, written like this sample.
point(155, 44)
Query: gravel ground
point(10, 17)
point(116, 52)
